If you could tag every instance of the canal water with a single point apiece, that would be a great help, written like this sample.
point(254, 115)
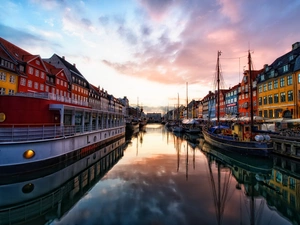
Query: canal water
point(157, 177)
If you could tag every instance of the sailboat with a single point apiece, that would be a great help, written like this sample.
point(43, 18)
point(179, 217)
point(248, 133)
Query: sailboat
point(178, 127)
point(238, 137)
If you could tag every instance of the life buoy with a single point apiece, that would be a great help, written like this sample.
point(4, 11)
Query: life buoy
point(247, 135)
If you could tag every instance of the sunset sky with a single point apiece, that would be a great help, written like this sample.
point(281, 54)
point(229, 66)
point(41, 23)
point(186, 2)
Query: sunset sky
point(148, 50)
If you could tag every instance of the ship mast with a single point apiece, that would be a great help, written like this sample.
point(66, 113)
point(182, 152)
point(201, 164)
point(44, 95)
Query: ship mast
point(218, 92)
point(251, 91)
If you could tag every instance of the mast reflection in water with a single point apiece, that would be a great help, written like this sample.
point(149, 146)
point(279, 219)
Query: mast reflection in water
point(164, 178)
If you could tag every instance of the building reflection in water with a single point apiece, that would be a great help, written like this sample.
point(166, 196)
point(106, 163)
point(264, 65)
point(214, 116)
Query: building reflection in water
point(272, 181)
point(42, 199)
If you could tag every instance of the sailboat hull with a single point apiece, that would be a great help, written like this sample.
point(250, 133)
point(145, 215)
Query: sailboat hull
point(243, 147)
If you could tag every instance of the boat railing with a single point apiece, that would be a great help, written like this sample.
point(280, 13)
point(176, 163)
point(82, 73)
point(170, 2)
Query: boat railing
point(52, 96)
point(33, 132)
point(14, 133)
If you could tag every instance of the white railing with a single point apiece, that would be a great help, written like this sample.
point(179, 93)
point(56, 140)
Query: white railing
point(51, 96)
point(29, 133)
point(33, 132)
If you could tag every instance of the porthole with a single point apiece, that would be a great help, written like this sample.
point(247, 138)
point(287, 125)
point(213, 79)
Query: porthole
point(2, 117)
point(27, 188)
point(29, 154)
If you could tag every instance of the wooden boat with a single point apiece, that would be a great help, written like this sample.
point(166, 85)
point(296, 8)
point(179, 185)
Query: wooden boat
point(238, 137)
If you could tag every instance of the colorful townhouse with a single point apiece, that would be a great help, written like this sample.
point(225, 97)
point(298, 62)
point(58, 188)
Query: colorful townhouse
point(231, 100)
point(79, 85)
point(244, 96)
point(277, 87)
point(31, 70)
point(8, 72)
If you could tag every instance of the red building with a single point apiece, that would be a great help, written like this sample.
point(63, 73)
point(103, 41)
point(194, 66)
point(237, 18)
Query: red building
point(244, 94)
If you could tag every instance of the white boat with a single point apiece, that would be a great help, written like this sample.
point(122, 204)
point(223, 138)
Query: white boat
point(27, 146)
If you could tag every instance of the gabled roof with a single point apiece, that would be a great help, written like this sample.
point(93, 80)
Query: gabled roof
point(52, 69)
point(70, 67)
point(14, 51)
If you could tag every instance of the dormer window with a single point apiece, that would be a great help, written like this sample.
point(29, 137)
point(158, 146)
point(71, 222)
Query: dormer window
point(285, 68)
point(291, 57)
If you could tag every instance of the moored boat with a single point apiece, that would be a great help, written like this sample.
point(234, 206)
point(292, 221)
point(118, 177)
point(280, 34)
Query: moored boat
point(239, 136)
point(49, 131)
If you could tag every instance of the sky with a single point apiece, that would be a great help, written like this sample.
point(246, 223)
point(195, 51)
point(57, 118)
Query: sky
point(154, 52)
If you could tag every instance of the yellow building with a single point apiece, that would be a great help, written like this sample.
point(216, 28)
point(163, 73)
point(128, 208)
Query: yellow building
point(8, 75)
point(277, 87)
point(296, 76)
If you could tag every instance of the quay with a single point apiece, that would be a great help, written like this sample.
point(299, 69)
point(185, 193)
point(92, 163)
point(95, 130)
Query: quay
point(286, 146)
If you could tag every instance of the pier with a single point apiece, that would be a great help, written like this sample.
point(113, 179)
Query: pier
point(286, 146)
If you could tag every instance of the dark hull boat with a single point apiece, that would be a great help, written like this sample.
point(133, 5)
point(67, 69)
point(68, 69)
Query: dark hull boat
point(239, 136)
point(244, 147)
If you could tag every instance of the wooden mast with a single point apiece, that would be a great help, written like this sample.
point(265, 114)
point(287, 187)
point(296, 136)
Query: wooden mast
point(218, 91)
point(251, 92)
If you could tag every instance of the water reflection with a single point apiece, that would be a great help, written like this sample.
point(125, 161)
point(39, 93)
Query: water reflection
point(42, 199)
point(164, 178)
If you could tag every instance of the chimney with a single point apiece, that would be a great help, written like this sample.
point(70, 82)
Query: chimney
point(63, 57)
point(74, 64)
point(295, 45)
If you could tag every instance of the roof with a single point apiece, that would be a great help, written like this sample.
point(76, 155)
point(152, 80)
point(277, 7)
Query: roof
point(16, 52)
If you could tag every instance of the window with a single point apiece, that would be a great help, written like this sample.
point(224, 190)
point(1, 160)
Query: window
point(299, 78)
point(290, 96)
point(36, 85)
point(265, 113)
point(282, 82)
point(37, 62)
point(270, 97)
point(270, 113)
point(57, 81)
point(282, 97)
point(276, 99)
point(292, 183)
point(47, 88)
point(289, 80)
point(2, 76)
point(41, 87)
point(285, 68)
point(275, 84)
point(42, 75)
point(29, 83)
point(270, 86)
point(12, 79)
point(265, 100)
point(259, 101)
point(21, 68)
point(2, 91)
point(260, 88)
point(265, 87)
point(23, 81)
point(37, 73)
point(30, 70)
point(11, 92)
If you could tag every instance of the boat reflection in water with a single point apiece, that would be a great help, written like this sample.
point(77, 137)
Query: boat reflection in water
point(252, 176)
point(42, 199)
